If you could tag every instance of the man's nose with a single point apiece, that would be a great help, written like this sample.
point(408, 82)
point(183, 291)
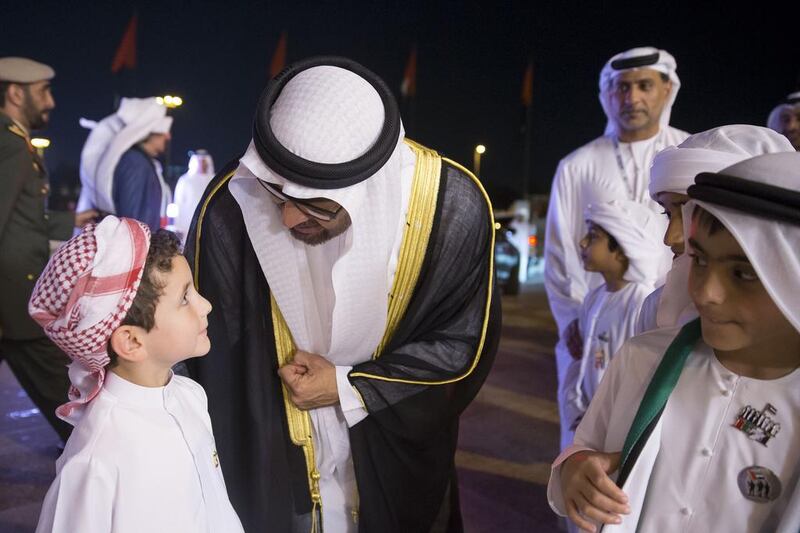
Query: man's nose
point(292, 216)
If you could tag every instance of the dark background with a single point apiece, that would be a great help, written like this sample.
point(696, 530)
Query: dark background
point(735, 64)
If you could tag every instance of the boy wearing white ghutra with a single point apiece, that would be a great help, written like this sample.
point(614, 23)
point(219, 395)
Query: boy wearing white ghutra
point(721, 393)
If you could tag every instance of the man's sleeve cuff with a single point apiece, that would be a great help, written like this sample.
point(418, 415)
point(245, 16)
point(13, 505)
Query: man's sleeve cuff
point(349, 399)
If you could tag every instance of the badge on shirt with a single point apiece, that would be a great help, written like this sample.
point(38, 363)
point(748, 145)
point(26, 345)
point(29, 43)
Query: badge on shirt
point(757, 425)
point(215, 459)
point(600, 358)
point(759, 484)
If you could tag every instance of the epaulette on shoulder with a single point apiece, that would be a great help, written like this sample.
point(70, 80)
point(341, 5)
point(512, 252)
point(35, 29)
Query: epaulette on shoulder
point(16, 130)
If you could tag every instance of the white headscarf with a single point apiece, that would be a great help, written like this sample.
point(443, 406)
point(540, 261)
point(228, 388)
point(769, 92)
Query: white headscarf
point(666, 65)
point(190, 187)
point(333, 296)
point(135, 119)
point(84, 294)
point(638, 230)
point(674, 168)
point(772, 246)
point(791, 104)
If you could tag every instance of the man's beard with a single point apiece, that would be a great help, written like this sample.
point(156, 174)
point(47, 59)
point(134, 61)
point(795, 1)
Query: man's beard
point(36, 118)
point(322, 234)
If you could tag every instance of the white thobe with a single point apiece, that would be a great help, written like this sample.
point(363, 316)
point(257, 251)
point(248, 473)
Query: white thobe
point(590, 174)
point(607, 319)
point(686, 478)
point(188, 191)
point(140, 459)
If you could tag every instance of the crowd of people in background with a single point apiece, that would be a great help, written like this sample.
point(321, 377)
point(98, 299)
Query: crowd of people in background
point(349, 270)
point(660, 363)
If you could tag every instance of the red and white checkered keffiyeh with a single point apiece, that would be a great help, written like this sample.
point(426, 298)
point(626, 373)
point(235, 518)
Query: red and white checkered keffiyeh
point(84, 294)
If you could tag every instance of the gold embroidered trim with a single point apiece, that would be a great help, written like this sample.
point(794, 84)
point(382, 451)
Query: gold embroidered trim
point(488, 292)
point(200, 227)
point(419, 223)
point(299, 421)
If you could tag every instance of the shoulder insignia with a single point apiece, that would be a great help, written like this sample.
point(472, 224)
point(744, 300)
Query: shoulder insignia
point(16, 130)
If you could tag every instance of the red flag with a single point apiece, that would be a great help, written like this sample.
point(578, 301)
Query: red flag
point(527, 86)
point(279, 57)
point(126, 52)
point(409, 86)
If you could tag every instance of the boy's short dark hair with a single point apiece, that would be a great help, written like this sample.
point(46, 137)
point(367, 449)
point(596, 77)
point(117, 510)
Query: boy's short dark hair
point(164, 245)
point(613, 245)
point(706, 220)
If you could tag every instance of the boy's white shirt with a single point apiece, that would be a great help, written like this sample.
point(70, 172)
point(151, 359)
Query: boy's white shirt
point(141, 459)
point(612, 316)
point(702, 446)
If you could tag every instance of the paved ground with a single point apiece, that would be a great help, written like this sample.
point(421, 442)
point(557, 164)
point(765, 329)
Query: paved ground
point(508, 437)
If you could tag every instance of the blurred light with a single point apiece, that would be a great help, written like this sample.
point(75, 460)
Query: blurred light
point(533, 240)
point(497, 225)
point(480, 148)
point(40, 142)
point(173, 210)
point(169, 101)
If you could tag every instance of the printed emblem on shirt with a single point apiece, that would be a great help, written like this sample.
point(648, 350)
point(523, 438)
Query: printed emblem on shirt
point(759, 484)
point(600, 358)
point(215, 459)
point(757, 425)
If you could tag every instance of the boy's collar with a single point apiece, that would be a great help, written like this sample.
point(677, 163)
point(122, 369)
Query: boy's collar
point(134, 395)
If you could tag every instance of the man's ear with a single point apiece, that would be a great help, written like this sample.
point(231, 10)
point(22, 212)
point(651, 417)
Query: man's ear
point(668, 87)
point(128, 343)
point(15, 94)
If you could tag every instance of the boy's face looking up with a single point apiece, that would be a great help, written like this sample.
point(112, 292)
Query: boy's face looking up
point(672, 203)
point(736, 311)
point(181, 323)
point(597, 254)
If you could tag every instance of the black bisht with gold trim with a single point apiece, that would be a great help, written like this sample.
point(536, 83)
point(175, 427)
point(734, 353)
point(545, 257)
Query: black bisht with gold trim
point(438, 350)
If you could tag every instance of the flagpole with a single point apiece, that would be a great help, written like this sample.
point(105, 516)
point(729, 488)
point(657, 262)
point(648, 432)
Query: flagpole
point(526, 166)
point(527, 101)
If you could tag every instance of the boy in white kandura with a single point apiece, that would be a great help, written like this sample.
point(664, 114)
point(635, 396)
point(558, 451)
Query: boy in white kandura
point(142, 455)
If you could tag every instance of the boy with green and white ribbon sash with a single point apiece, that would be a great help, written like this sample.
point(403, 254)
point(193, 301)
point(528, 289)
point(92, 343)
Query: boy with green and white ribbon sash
point(697, 428)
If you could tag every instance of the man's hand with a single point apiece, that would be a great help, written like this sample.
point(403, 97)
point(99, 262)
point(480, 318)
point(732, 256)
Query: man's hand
point(588, 491)
point(84, 217)
point(574, 339)
point(310, 380)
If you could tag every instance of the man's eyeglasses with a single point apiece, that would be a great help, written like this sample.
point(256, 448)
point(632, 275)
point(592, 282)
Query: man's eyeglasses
point(305, 206)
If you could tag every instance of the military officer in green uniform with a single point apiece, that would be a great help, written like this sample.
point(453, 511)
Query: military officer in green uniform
point(26, 227)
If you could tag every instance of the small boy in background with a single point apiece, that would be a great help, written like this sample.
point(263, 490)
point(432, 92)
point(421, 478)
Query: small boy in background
point(696, 428)
point(623, 244)
point(142, 455)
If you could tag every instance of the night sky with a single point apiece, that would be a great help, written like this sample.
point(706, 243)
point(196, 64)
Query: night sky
point(734, 64)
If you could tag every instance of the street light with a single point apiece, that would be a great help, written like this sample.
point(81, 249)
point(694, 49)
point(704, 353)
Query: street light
point(476, 161)
point(170, 101)
point(40, 143)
